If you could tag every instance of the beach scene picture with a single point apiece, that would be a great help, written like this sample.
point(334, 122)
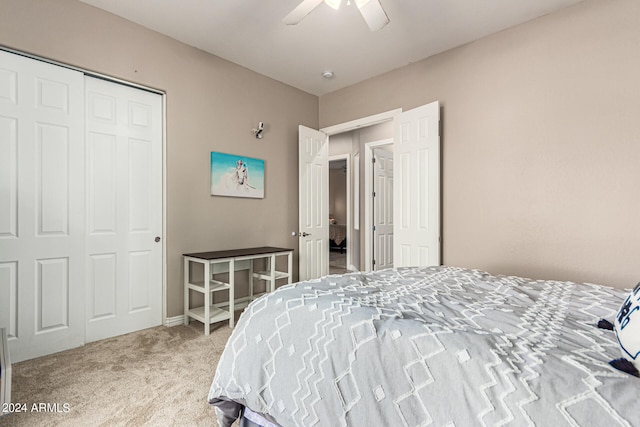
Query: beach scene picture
point(236, 176)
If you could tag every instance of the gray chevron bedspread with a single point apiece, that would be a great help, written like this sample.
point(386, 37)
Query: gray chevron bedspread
point(435, 346)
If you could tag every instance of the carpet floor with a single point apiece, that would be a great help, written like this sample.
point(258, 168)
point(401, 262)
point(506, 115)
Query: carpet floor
point(155, 377)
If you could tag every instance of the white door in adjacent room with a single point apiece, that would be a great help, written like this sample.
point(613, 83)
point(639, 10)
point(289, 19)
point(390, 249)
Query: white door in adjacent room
point(382, 209)
point(417, 187)
point(41, 206)
point(124, 209)
point(313, 189)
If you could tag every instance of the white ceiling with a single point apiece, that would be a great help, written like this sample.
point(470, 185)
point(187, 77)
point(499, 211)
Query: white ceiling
point(251, 33)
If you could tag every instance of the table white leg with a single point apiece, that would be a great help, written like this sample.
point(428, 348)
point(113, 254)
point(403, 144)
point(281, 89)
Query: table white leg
point(251, 280)
point(186, 291)
point(272, 273)
point(232, 312)
point(207, 297)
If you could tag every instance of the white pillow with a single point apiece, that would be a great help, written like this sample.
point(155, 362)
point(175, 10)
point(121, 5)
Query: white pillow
point(627, 327)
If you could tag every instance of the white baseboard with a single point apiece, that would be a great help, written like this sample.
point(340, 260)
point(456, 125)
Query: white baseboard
point(174, 321)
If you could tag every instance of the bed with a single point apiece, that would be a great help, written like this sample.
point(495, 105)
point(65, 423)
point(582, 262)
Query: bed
point(440, 346)
point(337, 237)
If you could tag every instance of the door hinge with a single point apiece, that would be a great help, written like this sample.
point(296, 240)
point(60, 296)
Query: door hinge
point(373, 228)
point(373, 160)
point(374, 262)
point(373, 194)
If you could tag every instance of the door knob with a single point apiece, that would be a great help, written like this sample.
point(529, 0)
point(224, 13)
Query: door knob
point(303, 234)
point(157, 239)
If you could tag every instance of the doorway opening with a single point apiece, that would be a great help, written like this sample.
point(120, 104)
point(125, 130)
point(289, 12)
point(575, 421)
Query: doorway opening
point(356, 140)
point(314, 149)
point(416, 191)
point(339, 213)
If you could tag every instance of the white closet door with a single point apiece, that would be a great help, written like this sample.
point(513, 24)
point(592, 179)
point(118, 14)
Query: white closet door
point(124, 209)
point(41, 206)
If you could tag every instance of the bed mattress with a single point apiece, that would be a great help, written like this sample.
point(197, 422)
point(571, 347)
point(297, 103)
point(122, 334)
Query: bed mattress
point(427, 346)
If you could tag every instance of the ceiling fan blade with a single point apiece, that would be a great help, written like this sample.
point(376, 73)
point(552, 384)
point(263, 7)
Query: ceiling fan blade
point(373, 13)
point(301, 11)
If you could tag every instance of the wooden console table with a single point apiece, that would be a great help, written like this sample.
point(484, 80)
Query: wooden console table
point(216, 262)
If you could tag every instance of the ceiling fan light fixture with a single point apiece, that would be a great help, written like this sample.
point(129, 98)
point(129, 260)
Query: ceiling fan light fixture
point(302, 10)
point(335, 4)
point(373, 13)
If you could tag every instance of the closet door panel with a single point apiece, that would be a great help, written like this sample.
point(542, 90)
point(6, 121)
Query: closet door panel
point(101, 293)
point(9, 297)
point(101, 183)
point(8, 178)
point(42, 214)
point(52, 181)
point(124, 134)
point(80, 252)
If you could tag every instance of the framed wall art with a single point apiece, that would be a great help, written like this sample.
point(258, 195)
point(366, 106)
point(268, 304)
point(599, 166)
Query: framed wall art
point(236, 176)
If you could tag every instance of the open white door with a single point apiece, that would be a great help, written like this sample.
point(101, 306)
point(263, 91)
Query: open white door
point(382, 209)
point(313, 189)
point(417, 187)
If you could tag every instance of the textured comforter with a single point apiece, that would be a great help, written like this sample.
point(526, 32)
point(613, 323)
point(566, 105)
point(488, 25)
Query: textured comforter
point(428, 346)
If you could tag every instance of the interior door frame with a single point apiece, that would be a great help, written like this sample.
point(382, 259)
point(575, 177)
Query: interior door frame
point(165, 320)
point(354, 125)
point(347, 158)
point(362, 122)
point(163, 94)
point(368, 190)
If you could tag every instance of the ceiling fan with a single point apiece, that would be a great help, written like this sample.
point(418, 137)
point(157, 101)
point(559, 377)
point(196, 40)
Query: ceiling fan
point(371, 11)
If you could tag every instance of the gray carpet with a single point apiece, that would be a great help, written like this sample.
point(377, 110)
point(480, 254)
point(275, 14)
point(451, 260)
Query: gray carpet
point(156, 377)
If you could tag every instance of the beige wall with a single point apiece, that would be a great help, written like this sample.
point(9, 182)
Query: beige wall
point(212, 105)
point(541, 149)
point(540, 143)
